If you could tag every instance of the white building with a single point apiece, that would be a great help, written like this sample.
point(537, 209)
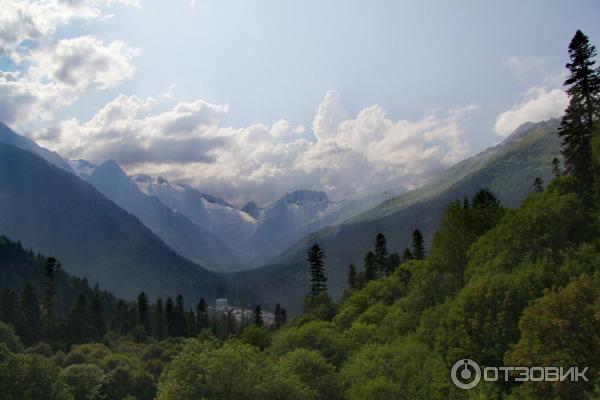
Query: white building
point(221, 305)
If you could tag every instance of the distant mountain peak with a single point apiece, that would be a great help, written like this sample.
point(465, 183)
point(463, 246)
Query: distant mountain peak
point(252, 209)
point(527, 127)
point(298, 196)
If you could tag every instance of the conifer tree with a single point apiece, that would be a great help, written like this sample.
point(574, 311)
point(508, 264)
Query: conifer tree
point(393, 262)
point(143, 314)
point(318, 280)
point(418, 245)
point(583, 88)
point(538, 185)
point(280, 316)
point(381, 254)
point(352, 283)
point(169, 317)
point(556, 167)
point(258, 319)
point(202, 318)
point(51, 266)
point(77, 323)
point(370, 267)
point(160, 329)
point(180, 328)
point(30, 306)
point(407, 256)
point(96, 322)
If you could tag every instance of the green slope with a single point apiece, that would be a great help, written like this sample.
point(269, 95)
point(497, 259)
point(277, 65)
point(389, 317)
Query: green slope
point(508, 169)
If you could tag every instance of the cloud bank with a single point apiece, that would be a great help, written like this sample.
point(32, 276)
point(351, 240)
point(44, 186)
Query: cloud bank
point(343, 155)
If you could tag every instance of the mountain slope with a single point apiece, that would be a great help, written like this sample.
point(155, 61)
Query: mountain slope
point(175, 229)
point(59, 214)
point(7, 136)
point(507, 169)
point(211, 213)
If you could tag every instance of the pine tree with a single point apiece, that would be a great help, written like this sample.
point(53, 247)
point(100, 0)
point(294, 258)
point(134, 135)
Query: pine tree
point(11, 310)
point(202, 315)
point(143, 314)
point(393, 262)
point(169, 317)
point(352, 283)
point(370, 267)
point(30, 307)
point(50, 268)
point(160, 329)
point(418, 245)
point(258, 319)
point(538, 185)
point(583, 88)
point(381, 254)
point(280, 316)
point(96, 321)
point(179, 322)
point(318, 280)
point(407, 256)
point(556, 167)
point(77, 323)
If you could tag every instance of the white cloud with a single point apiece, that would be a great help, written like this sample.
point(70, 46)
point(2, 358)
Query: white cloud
point(539, 104)
point(59, 73)
point(346, 156)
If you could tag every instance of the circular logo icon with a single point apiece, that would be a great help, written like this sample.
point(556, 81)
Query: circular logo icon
point(465, 374)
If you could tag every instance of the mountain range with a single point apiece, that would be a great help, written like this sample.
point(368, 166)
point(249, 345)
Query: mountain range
point(507, 169)
point(134, 233)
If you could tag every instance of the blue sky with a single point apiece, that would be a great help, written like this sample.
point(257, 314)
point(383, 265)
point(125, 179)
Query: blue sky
point(464, 63)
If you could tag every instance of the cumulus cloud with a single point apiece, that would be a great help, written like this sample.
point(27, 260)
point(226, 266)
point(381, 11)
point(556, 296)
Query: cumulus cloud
point(35, 20)
point(59, 73)
point(539, 104)
point(344, 156)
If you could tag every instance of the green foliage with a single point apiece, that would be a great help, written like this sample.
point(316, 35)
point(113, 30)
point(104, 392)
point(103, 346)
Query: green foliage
point(9, 338)
point(256, 335)
point(561, 329)
point(404, 369)
point(319, 336)
point(314, 371)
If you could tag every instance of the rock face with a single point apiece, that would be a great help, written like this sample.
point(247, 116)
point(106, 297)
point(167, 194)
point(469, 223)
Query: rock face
point(178, 231)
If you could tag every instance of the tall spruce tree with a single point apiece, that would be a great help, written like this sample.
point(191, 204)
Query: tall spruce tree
point(538, 185)
point(280, 316)
point(381, 254)
point(407, 255)
point(202, 318)
point(418, 251)
point(556, 167)
point(318, 280)
point(258, 319)
point(583, 88)
point(96, 321)
point(352, 278)
point(51, 266)
point(169, 317)
point(77, 324)
point(160, 328)
point(30, 306)
point(370, 267)
point(143, 313)
point(180, 326)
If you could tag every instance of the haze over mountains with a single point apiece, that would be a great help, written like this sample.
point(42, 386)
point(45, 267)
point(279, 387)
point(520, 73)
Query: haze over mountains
point(133, 233)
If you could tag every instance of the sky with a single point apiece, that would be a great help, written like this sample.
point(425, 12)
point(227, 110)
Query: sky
point(252, 99)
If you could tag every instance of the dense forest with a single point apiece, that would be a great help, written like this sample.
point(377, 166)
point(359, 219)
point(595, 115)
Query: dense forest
point(499, 285)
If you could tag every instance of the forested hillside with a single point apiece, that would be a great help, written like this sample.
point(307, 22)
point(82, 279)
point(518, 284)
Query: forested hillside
point(508, 169)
